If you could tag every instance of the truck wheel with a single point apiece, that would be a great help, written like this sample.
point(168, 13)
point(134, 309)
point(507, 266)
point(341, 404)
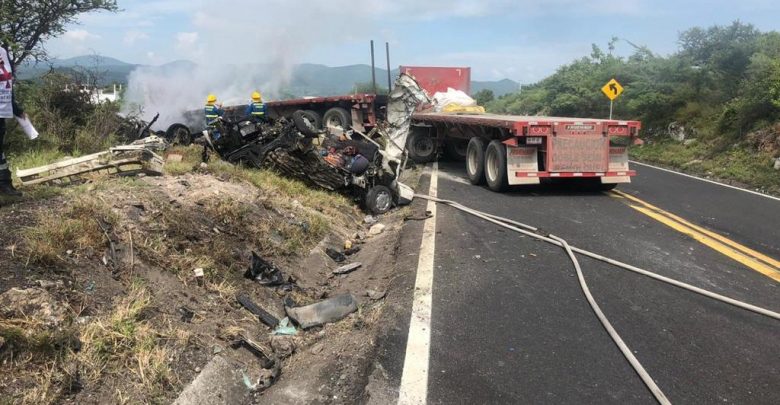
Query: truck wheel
point(421, 146)
point(495, 166)
point(304, 123)
point(475, 160)
point(337, 117)
point(379, 200)
point(178, 134)
point(314, 117)
point(455, 149)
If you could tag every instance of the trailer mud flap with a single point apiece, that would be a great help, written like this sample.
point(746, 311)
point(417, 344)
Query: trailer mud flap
point(618, 162)
point(522, 165)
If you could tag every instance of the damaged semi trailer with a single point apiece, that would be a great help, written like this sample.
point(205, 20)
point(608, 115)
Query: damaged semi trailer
point(506, 150)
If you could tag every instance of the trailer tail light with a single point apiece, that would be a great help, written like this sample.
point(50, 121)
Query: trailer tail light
point(534, 140)
point(539, 130)
point(618, 130)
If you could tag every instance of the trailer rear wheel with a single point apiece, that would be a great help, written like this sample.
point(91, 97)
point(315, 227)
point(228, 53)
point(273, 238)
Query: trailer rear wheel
point(475, 160)
point(455, 149)
point(379, 199)
point(337, 117)
point(495, 166)
point(421, 146)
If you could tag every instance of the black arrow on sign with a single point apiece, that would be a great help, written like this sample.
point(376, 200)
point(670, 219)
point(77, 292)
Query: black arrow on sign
point(613, 88)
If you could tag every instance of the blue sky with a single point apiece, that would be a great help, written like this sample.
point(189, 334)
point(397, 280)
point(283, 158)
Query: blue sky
point(523, 40)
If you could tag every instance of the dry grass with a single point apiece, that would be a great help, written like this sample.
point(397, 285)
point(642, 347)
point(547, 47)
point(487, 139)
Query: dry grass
point(191, 159)
point(76, 228)
point(123, 341)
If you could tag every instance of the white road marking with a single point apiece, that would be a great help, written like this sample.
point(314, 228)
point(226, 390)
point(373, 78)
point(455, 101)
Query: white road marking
point(414, 380)
point(708, 180)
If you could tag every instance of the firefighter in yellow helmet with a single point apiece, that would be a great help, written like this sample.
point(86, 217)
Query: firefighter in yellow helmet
point(213, 112)
point(256, 108)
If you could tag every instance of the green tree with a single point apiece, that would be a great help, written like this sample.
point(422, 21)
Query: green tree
point(26, 24)
point(484, 96)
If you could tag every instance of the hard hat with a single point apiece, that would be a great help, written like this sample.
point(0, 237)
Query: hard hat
point(256, 96)
point(211, 98)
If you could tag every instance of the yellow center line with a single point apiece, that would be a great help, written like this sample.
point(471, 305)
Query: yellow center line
point(744, 249)
point(730, 249)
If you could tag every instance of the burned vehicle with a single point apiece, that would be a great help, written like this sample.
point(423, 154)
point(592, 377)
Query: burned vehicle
point(364, 165)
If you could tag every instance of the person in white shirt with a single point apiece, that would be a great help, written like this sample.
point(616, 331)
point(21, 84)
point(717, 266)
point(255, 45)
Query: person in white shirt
point(8, 109)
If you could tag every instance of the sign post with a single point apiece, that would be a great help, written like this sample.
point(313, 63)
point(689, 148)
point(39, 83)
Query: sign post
point(612, 90)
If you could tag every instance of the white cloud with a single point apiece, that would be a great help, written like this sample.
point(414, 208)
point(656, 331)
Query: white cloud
point(132, 36)
point(186, 39)
point(79, 36)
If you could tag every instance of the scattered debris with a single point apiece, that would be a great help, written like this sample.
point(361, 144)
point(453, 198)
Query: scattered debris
point(370, 220)
point(217, 349)
point(347, 268)
point(330, 310)
point(199, 276)
point(285, 328)
point(427, 215)
point(271, 367)
point(264, 316)
point(32, 303)
point(376, 229)
point(121, 160)
point(264, 272)
point(351, 251)
point(334, 254)
point(283, 346)
point(376, 294)
point(186, 314)
point(50, 284)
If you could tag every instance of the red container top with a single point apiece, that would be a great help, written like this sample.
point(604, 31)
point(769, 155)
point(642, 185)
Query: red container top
point(438, 79)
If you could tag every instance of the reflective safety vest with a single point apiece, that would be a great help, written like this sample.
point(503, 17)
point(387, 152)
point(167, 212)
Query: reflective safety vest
point(6, 86)
point(212, 113)
point(258, 109)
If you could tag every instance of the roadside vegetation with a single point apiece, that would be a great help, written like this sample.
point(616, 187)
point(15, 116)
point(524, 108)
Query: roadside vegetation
point(712, 107)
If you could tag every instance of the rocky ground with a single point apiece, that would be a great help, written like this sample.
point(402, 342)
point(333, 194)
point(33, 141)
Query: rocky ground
point(100, 301)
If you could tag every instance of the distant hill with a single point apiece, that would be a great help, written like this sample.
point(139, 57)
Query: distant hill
point(306, 79)
point(499, 88)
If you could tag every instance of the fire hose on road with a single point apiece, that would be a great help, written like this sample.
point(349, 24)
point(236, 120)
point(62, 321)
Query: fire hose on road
point(570, 250)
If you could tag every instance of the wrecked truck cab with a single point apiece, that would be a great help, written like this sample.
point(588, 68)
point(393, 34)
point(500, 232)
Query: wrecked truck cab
point(365, 166)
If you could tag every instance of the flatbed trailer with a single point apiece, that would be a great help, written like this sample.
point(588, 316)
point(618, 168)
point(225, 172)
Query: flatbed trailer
point(506, 150)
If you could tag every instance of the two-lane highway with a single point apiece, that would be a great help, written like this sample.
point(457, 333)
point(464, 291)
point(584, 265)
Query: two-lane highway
point(509, 323)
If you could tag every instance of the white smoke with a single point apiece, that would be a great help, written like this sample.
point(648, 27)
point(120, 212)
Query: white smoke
point(244, 45)
point(237, 49)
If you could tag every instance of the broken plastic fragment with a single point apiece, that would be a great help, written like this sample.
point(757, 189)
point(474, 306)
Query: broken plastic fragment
point(330, 310)
point(264, 272)
point(285, 328)
point(334, 254)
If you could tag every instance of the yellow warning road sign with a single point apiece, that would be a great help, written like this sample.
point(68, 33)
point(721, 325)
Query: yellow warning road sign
point(612, 89)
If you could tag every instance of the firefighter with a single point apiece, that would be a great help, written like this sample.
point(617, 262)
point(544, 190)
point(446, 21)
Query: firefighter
point(256, 108)
point(8, 109)
point(213, 112)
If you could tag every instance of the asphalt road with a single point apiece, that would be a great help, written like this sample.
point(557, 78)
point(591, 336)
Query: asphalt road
point(510, 324)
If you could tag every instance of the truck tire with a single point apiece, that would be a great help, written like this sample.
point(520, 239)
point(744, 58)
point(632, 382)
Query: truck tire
point(495, 166)
point(420, 145)
point(475, 161)
point(337, 117)
point(305, 124)
point(379, 200)
point(178, 134)
point(315, 117)
point(455, 149)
